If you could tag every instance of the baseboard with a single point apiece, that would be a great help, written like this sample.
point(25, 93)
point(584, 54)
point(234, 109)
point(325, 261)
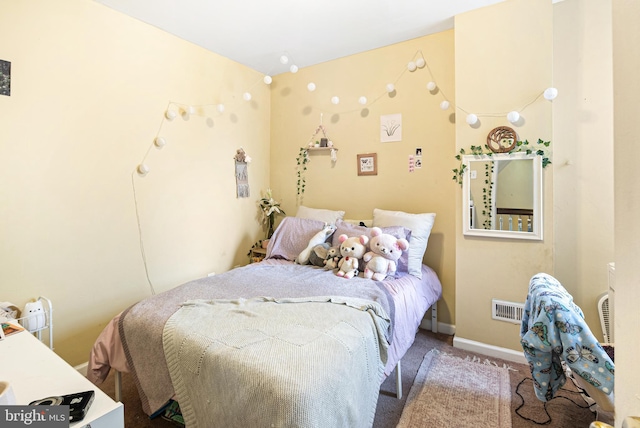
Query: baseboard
point(82, 368)
point(490, 350)
point(442, 327)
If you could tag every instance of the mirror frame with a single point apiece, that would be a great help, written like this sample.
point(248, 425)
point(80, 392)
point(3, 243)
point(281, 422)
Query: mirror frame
point(537, 222)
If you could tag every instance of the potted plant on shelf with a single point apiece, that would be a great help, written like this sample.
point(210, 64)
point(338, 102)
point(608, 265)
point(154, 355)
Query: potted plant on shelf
point(270, 208)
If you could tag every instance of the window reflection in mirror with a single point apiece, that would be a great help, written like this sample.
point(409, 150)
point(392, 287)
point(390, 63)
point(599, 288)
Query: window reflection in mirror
point(502, 196)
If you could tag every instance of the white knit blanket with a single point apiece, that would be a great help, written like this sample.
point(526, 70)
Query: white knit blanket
point(295, 362)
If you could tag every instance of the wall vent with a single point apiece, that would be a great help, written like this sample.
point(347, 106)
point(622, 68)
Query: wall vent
point(507, 311)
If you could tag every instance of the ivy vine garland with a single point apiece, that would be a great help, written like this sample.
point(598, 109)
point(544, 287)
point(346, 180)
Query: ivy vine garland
point(539, 148)
point(302, 160)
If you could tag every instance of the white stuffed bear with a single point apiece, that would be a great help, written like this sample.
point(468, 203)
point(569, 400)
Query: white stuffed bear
point(317, 239)
point(385, 251)
point(351, 249)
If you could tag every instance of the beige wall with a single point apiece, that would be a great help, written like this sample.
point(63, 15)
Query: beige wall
point(355, 129)
point(626, 61)
point(499, 68)
point(89, 90)
point(583, 150)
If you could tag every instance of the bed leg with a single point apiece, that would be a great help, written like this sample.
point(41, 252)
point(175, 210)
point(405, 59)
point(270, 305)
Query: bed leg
point(398, 381)
point(118, 384)
point(434, 317)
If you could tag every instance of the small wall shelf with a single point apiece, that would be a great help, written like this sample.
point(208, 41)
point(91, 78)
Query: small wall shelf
point(321, 149)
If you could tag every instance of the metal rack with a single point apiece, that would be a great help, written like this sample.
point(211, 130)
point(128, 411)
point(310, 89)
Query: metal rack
point(48, 321)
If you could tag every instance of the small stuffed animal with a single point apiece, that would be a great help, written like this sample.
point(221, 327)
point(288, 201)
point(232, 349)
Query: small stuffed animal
point(318, 254)
point(332, 258)
point(33, 317)
point(351, 249)
point(317, 239)
point(385, 251)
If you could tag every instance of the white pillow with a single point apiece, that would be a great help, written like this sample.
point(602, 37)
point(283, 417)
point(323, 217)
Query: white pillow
point(420, 226)
point(326, 216)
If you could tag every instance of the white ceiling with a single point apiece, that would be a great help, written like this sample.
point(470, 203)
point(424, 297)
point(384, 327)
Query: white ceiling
point(257, 33)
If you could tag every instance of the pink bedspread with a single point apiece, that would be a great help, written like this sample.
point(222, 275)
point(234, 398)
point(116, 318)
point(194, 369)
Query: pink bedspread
point(412, 298)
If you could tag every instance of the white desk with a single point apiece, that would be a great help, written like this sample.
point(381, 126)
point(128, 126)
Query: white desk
point(36, 372)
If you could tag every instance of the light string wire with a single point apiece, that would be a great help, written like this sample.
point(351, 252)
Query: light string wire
point(196, 111)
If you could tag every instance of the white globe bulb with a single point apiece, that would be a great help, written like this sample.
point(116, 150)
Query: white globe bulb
point(431, 86)
point(220, 108)
point(390, 87)
point(267, 79)
point(246, 96)
point(362, 100)
point(284, 59)
point(170, 114)
point(412, 66)
point(513, 116)
point(160, 142)
point(550, 93)
point(311, 87)
point(444, 105)
point(335, 100)
point(143, 169)
point(293, 68)
point(472, 119)
point(420, 62)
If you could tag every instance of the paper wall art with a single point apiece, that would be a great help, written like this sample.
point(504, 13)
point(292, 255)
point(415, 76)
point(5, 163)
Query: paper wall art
point(391, 128)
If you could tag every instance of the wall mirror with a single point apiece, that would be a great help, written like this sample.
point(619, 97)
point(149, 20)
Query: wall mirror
point(502, 196)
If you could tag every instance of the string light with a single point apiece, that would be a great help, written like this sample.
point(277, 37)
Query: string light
point(431, 86)
point(293, 68)
point(246, 96)
point(170, 114)
point(362, 100)
point(267, 79)
point(160, 142)
point(311, 87)
point(412, 66)
point(390, 87)
point(143, 169)
point(472, 119)
point(335, 100)
point(513, 116)
point(550, 94)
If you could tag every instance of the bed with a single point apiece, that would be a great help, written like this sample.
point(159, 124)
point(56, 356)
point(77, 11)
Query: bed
point(303, 346)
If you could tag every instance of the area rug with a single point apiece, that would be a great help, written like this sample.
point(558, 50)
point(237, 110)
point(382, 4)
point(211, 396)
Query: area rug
point(450, 391)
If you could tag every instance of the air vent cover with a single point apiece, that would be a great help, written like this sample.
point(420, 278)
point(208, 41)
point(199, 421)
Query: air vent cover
point(507, 311)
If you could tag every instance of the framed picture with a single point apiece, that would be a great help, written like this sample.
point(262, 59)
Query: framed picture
point(368, 164)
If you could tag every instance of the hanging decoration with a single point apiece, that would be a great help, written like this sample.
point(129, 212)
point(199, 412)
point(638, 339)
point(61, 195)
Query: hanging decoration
point(501, 139)
point(242, 173)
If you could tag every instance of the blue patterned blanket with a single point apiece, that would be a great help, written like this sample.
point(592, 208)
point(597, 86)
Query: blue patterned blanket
point(554, 330)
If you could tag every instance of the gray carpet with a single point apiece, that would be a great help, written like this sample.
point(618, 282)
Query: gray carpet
point(564, 411)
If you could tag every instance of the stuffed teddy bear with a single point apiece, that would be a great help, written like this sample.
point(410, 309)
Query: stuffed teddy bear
point(351, 249)
point(317, 239)
point(332, 258)
point(383, 255)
